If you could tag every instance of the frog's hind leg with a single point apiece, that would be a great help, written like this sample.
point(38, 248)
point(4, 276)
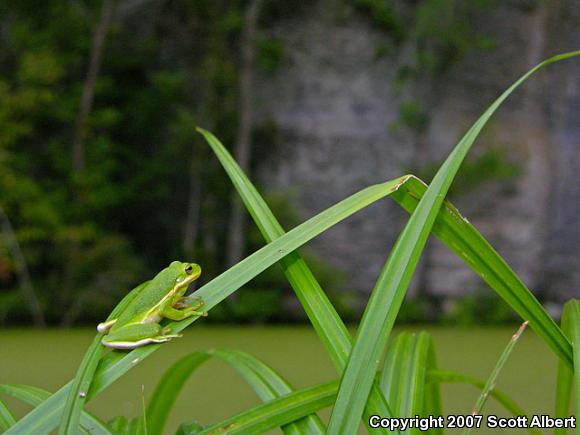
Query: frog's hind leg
point(177, 315)
point(132, 336)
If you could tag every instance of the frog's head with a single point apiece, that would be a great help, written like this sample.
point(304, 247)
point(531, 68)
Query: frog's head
point(184, 273)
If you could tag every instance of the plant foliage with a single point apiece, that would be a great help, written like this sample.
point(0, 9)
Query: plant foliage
point(408, 383)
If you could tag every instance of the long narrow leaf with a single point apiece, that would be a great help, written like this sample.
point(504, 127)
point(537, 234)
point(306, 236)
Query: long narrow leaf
point(432, 402)
point(6, 417)
point(463, 238)
point(324, 318)
point(278, 412)
point(83, 379)
point(571, 326)
point(454, 230)
point(404, 377)
point(574, 311)
point(385, 302)
point(115, 364)
point(267, 384)
point(169, 387)
point(492, 380)
point(451, 228)
point(71, 416)
point(35, 396)
point(125, 426)
point(44, 418)
point(391, 380)
point(565, 377)
point(448, 376)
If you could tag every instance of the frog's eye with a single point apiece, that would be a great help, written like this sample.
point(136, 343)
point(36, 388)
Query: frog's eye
point(188, 269)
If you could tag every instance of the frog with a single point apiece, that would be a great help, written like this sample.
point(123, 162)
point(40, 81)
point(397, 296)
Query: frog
point(163, 297)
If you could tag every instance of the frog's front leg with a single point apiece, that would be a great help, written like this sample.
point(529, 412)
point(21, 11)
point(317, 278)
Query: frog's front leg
point(136, 335)
point(174, 314)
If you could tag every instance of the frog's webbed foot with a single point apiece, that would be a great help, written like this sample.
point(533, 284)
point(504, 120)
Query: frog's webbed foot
point(176, 314)
point(193, 302)
point(166, 333)
point(194, 312)
point(191, 306)
point(163, 337)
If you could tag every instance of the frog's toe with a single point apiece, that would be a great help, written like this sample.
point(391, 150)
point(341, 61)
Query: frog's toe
point(169, 336)
point(166, 332)
point(189, 302)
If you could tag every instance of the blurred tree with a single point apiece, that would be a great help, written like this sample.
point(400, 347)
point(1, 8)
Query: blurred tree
point(43, 47)
point(130, 194)
point(86, 104)
point(101, 172)
point(22, 269)
point(243, 150)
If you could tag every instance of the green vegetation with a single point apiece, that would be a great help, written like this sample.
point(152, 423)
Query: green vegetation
point(384, 14)
point(480, 307)
point(124, 184)
point(142, 183)
point(491, 164)
point(411, 115)
point(293, 350)
point(270, 54)
point(438, 34)
point(402, 388)
point(442, 31)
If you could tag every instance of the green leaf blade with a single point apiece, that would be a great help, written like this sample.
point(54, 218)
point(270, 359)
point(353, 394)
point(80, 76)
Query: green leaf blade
point(6, 417)
point(326, 322)
point(35, 396)
point(404, 377)
point(566, 375)
point(278, 412)
point(463, 238)
point(565, 378)
point(448, 376)
point(115, 364)
point(267, 384)
point(492, 380)
point(323, 316)
point(169, 387)
point(78, 392)
point(387, 296)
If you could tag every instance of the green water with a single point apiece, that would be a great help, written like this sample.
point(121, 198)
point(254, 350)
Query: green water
point(48, 358)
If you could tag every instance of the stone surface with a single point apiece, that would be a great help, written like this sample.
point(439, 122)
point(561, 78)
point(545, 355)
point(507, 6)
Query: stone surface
point(333, 102)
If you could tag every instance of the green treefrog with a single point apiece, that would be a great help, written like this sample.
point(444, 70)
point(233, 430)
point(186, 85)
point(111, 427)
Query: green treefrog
point(162, 297)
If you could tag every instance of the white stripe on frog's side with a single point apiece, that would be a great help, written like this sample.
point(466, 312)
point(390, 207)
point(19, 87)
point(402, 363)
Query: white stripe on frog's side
point(138, 343)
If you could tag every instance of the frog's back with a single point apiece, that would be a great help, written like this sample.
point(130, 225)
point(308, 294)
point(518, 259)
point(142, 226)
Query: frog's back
point(149, 296)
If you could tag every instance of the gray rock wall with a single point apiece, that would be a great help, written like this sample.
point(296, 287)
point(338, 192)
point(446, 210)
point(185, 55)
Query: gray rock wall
point(333, 101)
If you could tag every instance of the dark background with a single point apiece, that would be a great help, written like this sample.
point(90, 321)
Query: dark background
point(104, 181)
